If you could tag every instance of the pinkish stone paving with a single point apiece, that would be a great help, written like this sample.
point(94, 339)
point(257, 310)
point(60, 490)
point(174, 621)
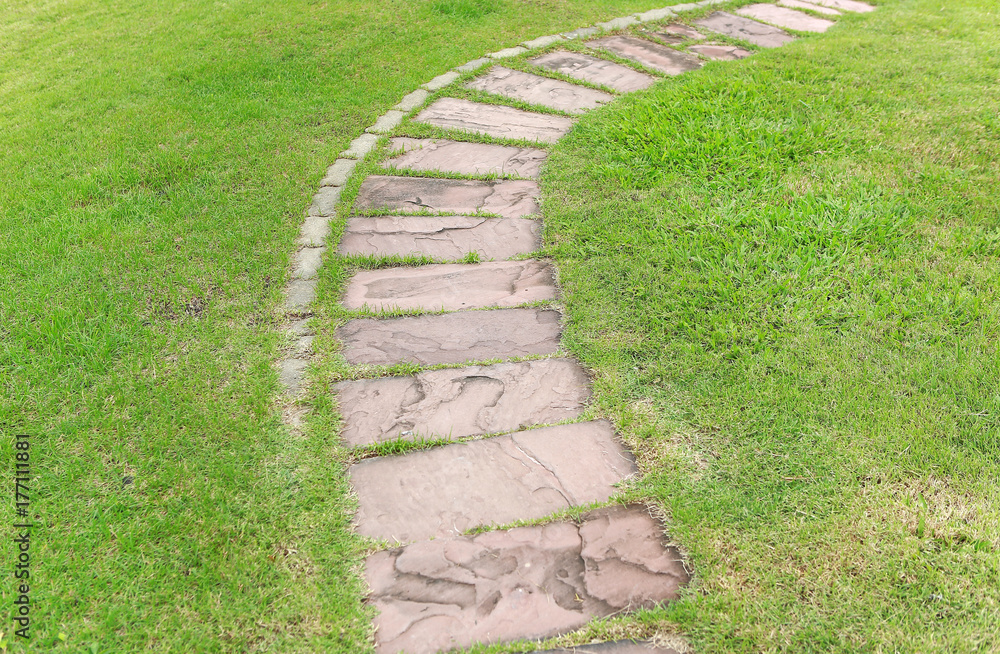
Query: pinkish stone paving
point(802, 4)
point(451, 337)
point(466, 158)
point(647, 53)
point(459, 402)
point(676, 33)
point(738, 27)
point(509, 198)
point(494, 120)
point(451, 287)
point(441, 237)
point(522, 476)
point(720, 51)
point(525, 583)
point(596, 71)
point(785, 17)
point(543, 91)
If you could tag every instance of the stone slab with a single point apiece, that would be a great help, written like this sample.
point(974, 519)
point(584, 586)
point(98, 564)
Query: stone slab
point(413, 100)
point(543, 41)
point(324, 203)
point(581, 33)
point(452, 286)
point(595, 70)
point(441, 155)
point(847, 5)
point(387, 122)
point(801, 4)
point(451, 337)
point(360, 146)
point(475, 64)
point(653, 55)
point(299, 294)
point(494, 120)
point(441, 237)
point(523, 584)
point(339, 172)
point(543, 91)
point(441, 81)
point(523, 476)
point(507, 52)
point(683, 31)
point(291, 373)
point(460, 402)
point(614, 647)
point(739, 27)
point(656, 14)
point(785, 17)
point(506, 198)
point(720, 51)
point(618, 23)
point(314, 231)
point(306, 262)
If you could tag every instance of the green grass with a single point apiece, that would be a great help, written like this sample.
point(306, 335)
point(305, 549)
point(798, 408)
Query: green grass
point(157, 161)
point(785, 273)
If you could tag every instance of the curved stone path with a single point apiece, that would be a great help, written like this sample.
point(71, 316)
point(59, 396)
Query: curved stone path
point(520, 452)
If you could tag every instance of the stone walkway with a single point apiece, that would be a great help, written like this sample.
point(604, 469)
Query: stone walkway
point(520, 452)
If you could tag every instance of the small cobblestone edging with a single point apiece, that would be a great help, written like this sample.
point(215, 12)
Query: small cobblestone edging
point(530, 455)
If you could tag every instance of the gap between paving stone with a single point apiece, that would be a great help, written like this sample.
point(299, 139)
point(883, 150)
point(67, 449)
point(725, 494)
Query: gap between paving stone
point(459, 590)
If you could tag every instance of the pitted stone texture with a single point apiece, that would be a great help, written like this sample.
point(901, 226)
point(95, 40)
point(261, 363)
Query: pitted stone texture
point(523, 476)
point(494, 120)
point(785, 17)
point(299, 294)
point(678, 32)
point(649, 54)
point(451, 337)
point(581, 33)
point(614, 647)
point(338, 173)
point(475, 64)
point(452, 286)
point(594, 70)
point(509, 199)
point(543, 91)
point(441, 81)
point(325, 201)
point(846, 5)
point(360, 146)
point(543, 41)
point(441, 237)
point(508, 52)
point(387, 122)
point(306, 262)
point(314, 231)
point(466, 158)
point(525, 583)
point(720, 51)
point(738, 27)
point(618, 23)
point(413, 100)
point(801, 4)
point(291, 373)
point(460, 402)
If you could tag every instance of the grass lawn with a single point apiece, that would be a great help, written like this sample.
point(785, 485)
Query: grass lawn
point(783, 272)
point(157, 159)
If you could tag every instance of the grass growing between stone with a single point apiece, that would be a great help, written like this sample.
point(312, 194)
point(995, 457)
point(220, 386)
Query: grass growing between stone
point(157, 161)
point(785, 274)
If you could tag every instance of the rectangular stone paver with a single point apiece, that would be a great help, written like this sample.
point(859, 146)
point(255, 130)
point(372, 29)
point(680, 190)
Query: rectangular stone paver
point(522, 476)
point(720, 51)
point(802, 4)
point(466, 158)
point(846, 5)
point(523, 584)
point(459, 402)
point(507, 198)
point(785, 17)
point(594, 70)
point(452, 286)
point(441, 237)
point(493, 120)
point(451, 337)
point(647, 53)
point(738, 27)
point(551, 93)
